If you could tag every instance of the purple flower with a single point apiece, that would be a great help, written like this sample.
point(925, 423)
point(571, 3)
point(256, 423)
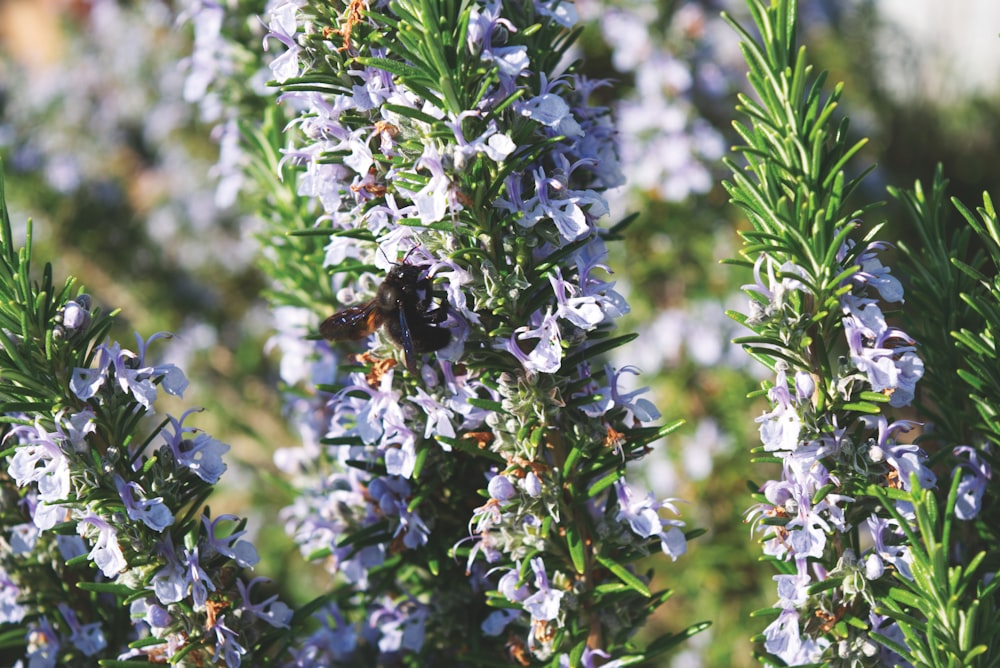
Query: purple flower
point(391, 495)
point(202, 453)
point(271, 610)
point(977, 474)
point(241, 551)
point(152, 512)
point(501, 488)
point(11, 611)
point(106, 553)
point(398, 625)
point(40, 459)
point(226, 644)
point(546, 356)
point(643, 517)
point(779, 429)
point(543, 605)
point(88, 638)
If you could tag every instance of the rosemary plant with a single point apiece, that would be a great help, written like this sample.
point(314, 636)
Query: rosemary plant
point(852, 526)
point(440, 197)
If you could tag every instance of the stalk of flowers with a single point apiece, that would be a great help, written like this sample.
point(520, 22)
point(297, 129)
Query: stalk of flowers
point(666, 143)
point(467, 469)
point(109, 554)
point(840, 367)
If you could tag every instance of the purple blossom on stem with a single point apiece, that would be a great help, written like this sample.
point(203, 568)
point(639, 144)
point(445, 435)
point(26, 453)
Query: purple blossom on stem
point(543, 604)
point(271, 610)
point(201, 453)
point(88, 638)
point(106, 553)
point(151, 512)
point(976, 475)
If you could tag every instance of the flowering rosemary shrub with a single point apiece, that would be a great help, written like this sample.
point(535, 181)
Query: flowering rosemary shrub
point(445, 142)
point(110, 553)
point(852, 525)
point(432, 179)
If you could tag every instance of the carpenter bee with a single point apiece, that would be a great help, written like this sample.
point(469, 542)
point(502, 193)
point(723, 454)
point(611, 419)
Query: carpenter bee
point(403, 304)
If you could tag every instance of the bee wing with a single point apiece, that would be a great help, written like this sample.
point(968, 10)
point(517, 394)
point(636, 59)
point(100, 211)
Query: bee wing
point(406, 338)
point(352, 323)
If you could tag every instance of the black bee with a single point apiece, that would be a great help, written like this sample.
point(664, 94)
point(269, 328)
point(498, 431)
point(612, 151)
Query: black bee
point(403, 304)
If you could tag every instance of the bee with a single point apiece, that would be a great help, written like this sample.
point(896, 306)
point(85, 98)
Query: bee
point(403, 303)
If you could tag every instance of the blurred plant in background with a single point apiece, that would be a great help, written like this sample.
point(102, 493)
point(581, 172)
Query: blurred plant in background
point(139, 205)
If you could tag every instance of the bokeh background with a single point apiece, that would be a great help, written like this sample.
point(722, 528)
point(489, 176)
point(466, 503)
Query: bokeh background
point(121, 174)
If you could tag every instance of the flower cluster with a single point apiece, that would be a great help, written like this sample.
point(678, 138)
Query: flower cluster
point(666, 145)
point(483, 186)
point(92, 488)
point(830, 457)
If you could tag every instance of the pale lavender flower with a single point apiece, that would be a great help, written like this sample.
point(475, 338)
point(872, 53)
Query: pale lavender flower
point(23, 538)
point(241, 551)
point(591, 658)
point(543, 604)
point(398, 625)
point(202, 454)
point(169, 583)
point(152, 512)
point(40, 459)
point(391, 495)
point(780, 428)
point(106, 553)
point(501, 488)
point(546, 356)
point(88, 638)
point(283, 27)
point(642, 515)
point(195, 578)
point(976, 476)
point(508, 586)
point(271, 610)
point(152, 614)
point(226, 644)
point(497, 621)
point(11, 611)
point(44, 644)
point(895, 553)
point(334, 641)
point(905, 459)
point(511, 61)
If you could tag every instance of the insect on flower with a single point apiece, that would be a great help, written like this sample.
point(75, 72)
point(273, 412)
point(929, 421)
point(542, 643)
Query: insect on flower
point(403, 304)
